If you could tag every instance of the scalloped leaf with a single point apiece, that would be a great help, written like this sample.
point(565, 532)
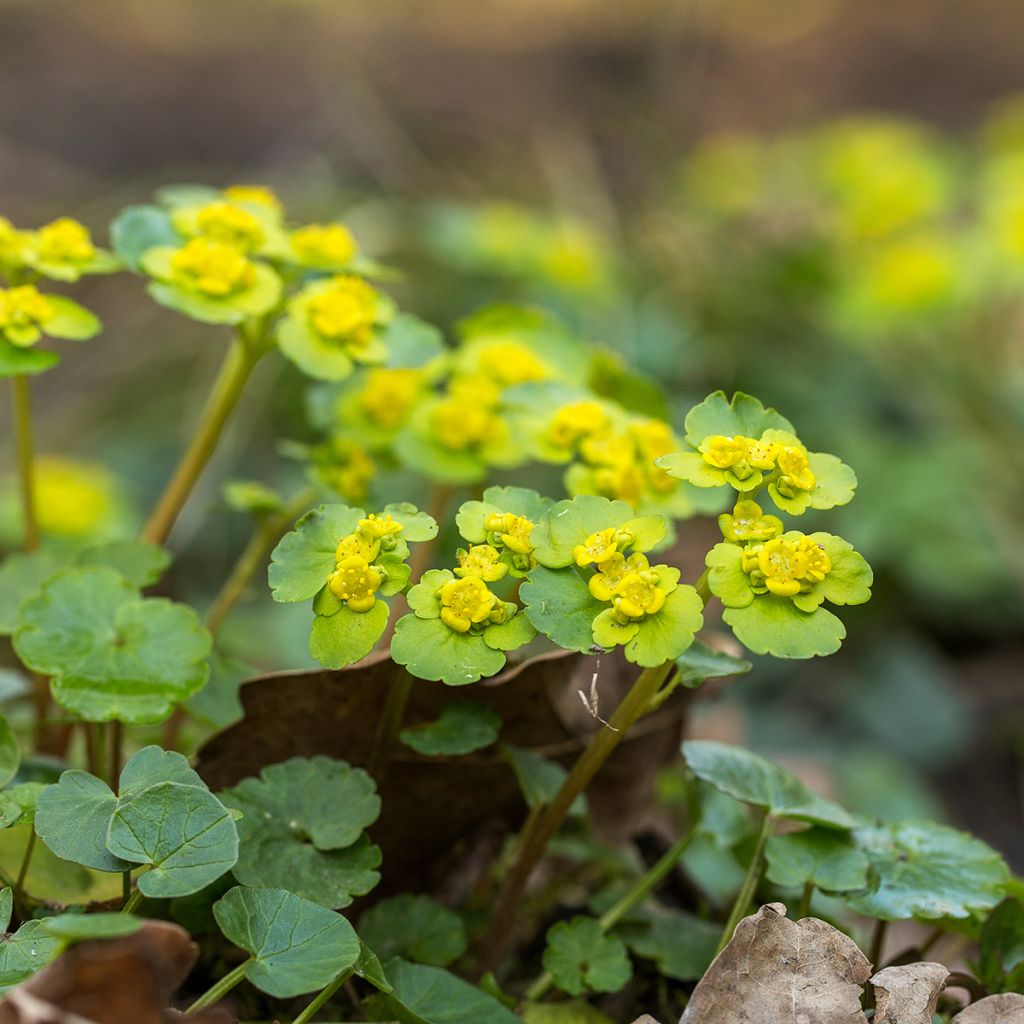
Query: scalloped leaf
point(25, 952)
point(742, 414)
point(921, 869)
point(346, 637)
point(416, 525)
point(746, 776)
point(417, 928)
point(699, 662)
point(540, 779)
point(580, 957)
point(296, 946)
point(510, 635)
point(681, 944)
point(726, 578)
point(304, 558)
point(16, 361)
point(821, 857)
point(411, 342)
point(560, 605)
point(461, 728)
point(137, 229)
point(666, 635)
point(774, 625)
point(521, 501)
point(72, 928)
point(430, 650)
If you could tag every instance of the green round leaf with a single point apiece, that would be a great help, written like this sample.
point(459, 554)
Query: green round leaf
point(700, 662)
point(296, 946)
point(184, 832)
point(138, 561)
point(410, 341)
point(510, 635)
point(925, 870)
point(540, 779)
point(416, 525)
point(16, 361)
point(346, 637)
point(743, 414)
point(25, 952)
point(850, 578)
point(774, 625)
point(152, 765)
point(430, 650)
point(136, 229)
point(415, 927)
point(21, 576)
point(318, 357)
point(681, 945)
point(667, 634)
point(72, 818)
point(826, 859)
point(70, 320)
point(72, 928)
point(726, 578)
point(754, 780)
point(560, 606)
point(302, 561)
point(461, 728)
point(579, 957)
point(10, 752)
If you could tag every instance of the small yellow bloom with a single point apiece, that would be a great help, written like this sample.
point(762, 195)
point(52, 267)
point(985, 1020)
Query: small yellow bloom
point(513, 531)
point(724, 452)
point(345, 311)
point(796, 471)
point(329, 245)
point(575, 421)
point(64, 241)
point(23, 307)
point(481, 560)
point(623, 481)
point(600, 547)
point(783, 563)
point(14, 244)
point(358, 544)
point(762, 454)
point(225, 222)
point(603, 585)
point(258, 195)
point(638, 595)
point(380, 527)
point(213, 268)
point(388, 396)
point(465, 603)
point(608, 450)
point(350, 470)
point(819, 565)
point(748, 522)
point(356, 582)
point(460, 423)
point(510, 362)
point(73, 499)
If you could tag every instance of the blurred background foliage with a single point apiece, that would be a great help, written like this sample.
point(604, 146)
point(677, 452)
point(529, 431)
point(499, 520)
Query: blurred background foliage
point(818, 201)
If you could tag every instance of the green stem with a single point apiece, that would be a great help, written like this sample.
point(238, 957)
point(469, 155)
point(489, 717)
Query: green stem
point(19, 885)
point(538, 831)
point(749, 886)
point(220, 989)
point(805, 901)
point(321, 999)
point(390, 723)
point(132, 901)
point(21, 404)
point(126, 889)
point(116, 752)
point(633, 897)
point(878, 944)
point(238, 365)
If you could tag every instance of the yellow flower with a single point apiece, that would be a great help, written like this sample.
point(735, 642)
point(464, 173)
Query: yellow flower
point(782, 562)
point(624, 481)
point(653, 439)
point(572, 257)
point(762, 454)
point(460, 423)
point(608, 450)
point(913, 273)
point(388, 396)
point(22, 311)
point(638, 594)
point(600, 547)
point(73, 499)
point(510, 362)
point(513, 531)
point(603, 585)
point(212, 268)
point(575, 421)
point(258, 195)
point(748, 522)
point(64, 241)
point(225, 222)
point(351, 471)
point(380, 527)
point(796, 472)
point(481, 560)
point(724, 452)
point(465, 603)
point(356, 582)
point(346, 310)
point(13, 243)
point(361, 544)
point(819, 565)
point(329, 245)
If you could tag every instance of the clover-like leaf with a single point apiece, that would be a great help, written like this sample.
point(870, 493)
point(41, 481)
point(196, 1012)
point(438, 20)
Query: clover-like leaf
point(682, 945)
point(304, 558)
point(925, 870)
point(346, 637)
point(774, 625)
point(417, 928)
point(699, 662)
point(25, 952)
point(742, 414)
point(72, 928)
point(821, 857)
point(750, 778)
point(580, 957)
point(430, 650)
point(560, 605)
point(461, 728)
point(184, 832)
point(112, 653)
point(422, 994)
point(540, 779)
point(302, 828)
point(568, 523)
point(295, 946)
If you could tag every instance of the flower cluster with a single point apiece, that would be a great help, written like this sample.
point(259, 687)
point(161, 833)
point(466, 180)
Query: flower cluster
point(62, 250)
point(500, 530)
point(358, 576)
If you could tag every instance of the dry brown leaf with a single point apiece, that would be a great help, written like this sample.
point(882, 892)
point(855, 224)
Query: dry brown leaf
point(907, 994)
point(645, 1019)
point(118, 981)
point(1003, 1009)
point(435, 806)
point(777, 971)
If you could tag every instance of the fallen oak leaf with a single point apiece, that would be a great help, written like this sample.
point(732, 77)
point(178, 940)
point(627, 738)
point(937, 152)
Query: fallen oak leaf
point(907, 994)
point(777, 971)
point(1007, 1008)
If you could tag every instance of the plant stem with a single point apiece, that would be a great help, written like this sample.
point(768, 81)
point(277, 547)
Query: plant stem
point(749, 886)
point(539, 830)
point(116, 752)
point(308, 1013)
point(219, 989)
point(390, 723)
point(238, 364)
point(19, 885)
point(21, 405)
point(805, 901)
point(878, 944)
point(634, 896)
point(126, 889)
point(133, 900)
